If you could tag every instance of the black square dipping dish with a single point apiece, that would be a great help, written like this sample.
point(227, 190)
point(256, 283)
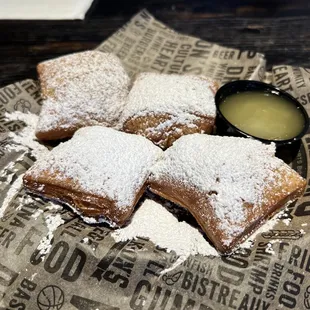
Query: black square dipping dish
point(261, 111)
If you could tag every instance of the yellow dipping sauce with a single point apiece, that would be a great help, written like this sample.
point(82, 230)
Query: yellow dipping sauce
point(263, 115)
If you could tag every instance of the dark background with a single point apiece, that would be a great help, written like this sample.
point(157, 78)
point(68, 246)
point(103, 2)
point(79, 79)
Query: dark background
point(279, 29)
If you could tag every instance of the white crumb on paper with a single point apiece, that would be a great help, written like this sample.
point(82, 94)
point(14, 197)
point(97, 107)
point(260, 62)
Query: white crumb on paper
point(33, 276)
point(27, 199)
point(9, 178)
point(91, 220)
point(302, 231)
point(26, 137)
point(269, 248)
point(287, 221)
point(153, 221)
point(53, 207)
point(12, 192)
point(11, 166)
point(37, 213)
point(52, 222)
point(85, 240)
point(304, 224)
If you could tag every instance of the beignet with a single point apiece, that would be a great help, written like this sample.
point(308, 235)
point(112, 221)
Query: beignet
point(230, 185)
point(78, 90)
point(101, 173)
point(163, 107)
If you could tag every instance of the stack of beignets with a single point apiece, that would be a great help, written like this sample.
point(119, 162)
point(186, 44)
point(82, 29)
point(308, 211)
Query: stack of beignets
point(230, 185)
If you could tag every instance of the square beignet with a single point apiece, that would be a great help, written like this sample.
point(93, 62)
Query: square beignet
point(230, 185)
point(163, 107)
point(101, 173)
point(78, 90)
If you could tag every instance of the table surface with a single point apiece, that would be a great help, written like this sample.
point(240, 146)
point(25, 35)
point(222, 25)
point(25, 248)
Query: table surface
point(278, 28)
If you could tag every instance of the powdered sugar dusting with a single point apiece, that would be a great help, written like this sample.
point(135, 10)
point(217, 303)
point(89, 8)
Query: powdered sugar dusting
point(82, 89)
point(182, 120)
point(26, 137)
point(12, 192)
point(52, 222)
point(23, 140)
point(102, 161)
point(174, 94)
point(231, 171)
point(153, 221)
point(183, 98)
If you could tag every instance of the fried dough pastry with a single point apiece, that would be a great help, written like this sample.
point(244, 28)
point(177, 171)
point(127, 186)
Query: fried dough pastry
point(78, 90)
point(164, 107)
point(230, 185)
point(100, 173)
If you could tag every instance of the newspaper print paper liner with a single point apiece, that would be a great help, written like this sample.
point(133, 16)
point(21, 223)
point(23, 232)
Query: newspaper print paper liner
point(86, 269)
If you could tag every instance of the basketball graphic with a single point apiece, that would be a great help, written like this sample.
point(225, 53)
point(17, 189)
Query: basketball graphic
point(50, 297)
point(23, 105)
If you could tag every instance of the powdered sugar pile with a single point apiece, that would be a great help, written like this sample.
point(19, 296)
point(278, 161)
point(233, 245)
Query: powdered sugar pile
point(26, 137)
point(231, 171)
point(153, 221)
point(12, 192)
point(87, 88)
point(52, 222)
point(22, 141)
point(102, 161)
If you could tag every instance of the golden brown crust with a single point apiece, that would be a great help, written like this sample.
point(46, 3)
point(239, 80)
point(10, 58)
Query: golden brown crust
point(147, 126)
point(199, 205)
point(88, 205)
point(57, 133)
